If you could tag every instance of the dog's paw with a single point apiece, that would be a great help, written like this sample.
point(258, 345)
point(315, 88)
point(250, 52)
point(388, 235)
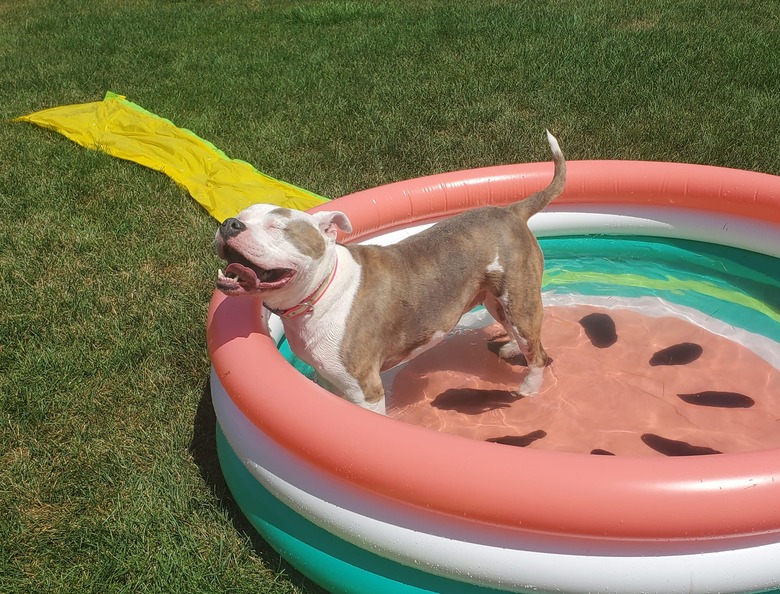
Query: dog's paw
point(532, 383)
point(509, 350)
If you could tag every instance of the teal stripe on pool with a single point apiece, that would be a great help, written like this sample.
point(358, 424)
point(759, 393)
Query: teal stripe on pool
point(338, 566)
point(738, 287)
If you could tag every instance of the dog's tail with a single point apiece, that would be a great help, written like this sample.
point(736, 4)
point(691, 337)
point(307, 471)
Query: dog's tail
point(536, 202)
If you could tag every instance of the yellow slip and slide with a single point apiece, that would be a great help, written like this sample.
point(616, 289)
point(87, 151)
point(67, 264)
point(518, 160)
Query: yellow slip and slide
point(224, 186)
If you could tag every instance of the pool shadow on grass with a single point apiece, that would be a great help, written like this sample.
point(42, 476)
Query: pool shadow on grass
point(203, 448)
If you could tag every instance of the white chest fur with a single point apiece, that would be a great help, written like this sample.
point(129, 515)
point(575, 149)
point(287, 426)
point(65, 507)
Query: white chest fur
point(316, 338)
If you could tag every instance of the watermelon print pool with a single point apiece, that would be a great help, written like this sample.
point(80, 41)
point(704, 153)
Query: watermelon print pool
point(650, 461)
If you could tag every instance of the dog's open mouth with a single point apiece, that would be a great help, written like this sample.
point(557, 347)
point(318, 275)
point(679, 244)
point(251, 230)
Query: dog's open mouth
point(240, 274)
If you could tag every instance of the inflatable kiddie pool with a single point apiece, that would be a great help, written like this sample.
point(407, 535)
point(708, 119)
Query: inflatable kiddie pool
point(365, 503)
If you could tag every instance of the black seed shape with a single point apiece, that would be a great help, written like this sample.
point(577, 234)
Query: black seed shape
point(600, 452)
point(519, 441)
point(600, 330)
point(472, 401)
point(718, 399)
point(672, 447)
point(678, 354)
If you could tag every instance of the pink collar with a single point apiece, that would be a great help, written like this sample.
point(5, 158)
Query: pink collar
point(307, 305)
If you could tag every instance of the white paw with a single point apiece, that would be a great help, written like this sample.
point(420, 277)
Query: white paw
point(532, 383)
point(377, 407)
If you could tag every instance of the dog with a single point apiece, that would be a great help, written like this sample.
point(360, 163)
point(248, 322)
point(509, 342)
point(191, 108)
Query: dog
point(353, 311)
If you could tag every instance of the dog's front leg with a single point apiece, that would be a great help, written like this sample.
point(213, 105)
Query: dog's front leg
point(365, 390)
point(368, 393)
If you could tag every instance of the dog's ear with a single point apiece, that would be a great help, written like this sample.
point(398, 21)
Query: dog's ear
point(330, 221)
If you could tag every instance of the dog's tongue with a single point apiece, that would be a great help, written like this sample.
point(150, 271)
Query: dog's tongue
point(247, 277)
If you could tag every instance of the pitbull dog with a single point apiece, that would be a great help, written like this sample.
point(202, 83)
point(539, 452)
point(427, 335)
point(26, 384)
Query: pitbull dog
point(354, 311)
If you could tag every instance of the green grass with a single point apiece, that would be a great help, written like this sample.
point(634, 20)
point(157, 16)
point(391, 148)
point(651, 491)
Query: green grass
point(108, 476)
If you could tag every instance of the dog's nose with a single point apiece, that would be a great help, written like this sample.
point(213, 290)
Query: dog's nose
point(231, 227)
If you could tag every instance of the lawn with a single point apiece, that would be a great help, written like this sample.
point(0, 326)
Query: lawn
point(109, 480)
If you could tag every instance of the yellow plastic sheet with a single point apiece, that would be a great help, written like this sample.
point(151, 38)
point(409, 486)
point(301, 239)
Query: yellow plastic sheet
point(123, 129)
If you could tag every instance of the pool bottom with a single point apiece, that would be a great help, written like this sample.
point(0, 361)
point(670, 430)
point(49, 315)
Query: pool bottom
point(620, 383)
point(640, 377)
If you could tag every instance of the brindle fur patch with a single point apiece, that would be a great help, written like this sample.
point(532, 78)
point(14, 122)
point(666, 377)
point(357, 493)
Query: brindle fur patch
point(305, 238)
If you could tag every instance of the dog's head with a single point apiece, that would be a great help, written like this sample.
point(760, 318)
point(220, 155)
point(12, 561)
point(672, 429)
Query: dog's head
point(274, 251)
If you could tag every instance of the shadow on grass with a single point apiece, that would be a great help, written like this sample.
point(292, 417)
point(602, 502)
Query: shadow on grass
point(203, 448)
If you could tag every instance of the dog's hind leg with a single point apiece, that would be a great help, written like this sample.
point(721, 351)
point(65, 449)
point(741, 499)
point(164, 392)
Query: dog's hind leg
point(523, 321)
point(496, 310)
